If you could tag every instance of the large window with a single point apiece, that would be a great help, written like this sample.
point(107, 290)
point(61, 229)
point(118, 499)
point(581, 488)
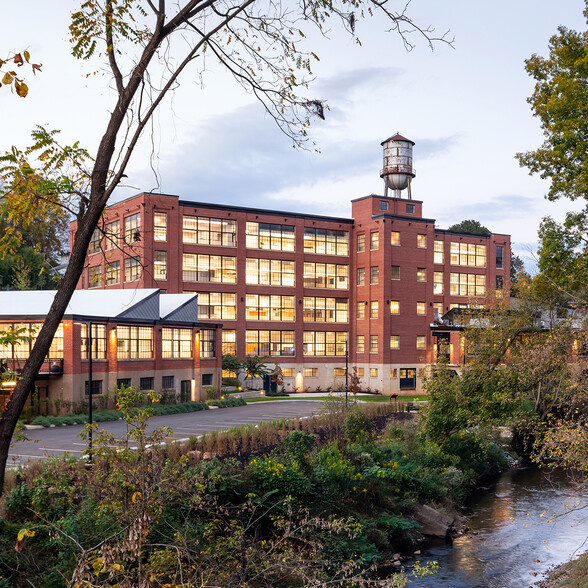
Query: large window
point(421, 308)
point(373, 344)
point(394, 307)
point(374, 274)
point(360, 276)
point(269, 236)
point(22, 349)
point(95, 276)
point(133, 228)
point(395, 238)
point(422, 241)
point(439, 252)
point(326, 275)
point(98, 341)
point(229, 342)
point(395, 272)
point(209, 231)
point(326, 241)
point(159, 226)
point(361, 243)
point(217, 306)
point(499, 256)
point(207, 343)
point(468, 254)
point(374, 309)
point(112, 273)
point(134, 342)
point(394, 341)
point(95, 240)
point(209, 268)
point(269, 272)
point(160, 265)
point(324, 342)
point(374, 240)
point(132, 269)
point(273, 343)
point(176, 343)
point(265, 307)
point(421, 342)
point(360, 344)
point(421, 274)
point(467, 285)
point(325, 310)
point(111, 235)
point(438, 283)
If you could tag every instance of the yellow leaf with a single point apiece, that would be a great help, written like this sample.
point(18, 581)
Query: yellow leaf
point(7, 79)
point(136, 496)
point(27, 56)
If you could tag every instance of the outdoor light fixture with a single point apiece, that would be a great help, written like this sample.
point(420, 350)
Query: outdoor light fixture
point(9, 384)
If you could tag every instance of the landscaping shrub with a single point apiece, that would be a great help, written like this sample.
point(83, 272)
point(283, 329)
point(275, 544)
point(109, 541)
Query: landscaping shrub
point(41, 421)
point(227, 402)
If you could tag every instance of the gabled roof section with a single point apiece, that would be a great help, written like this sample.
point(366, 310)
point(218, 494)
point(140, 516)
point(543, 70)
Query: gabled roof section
point(179, 307)
point(397, 137)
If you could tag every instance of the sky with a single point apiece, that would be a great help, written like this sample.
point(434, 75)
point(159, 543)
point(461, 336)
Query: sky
point(465, 107)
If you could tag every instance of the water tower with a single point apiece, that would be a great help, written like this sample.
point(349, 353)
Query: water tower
point(398, 171)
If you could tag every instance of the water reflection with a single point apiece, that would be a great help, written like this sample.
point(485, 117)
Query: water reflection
point(519, 528)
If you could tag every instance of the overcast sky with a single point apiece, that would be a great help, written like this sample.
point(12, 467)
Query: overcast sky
point(464, 107)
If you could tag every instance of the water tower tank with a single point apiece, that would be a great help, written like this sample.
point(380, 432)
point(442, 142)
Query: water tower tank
point(398, 171)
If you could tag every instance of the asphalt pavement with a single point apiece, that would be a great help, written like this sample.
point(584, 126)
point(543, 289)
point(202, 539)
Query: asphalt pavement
point(48, 442)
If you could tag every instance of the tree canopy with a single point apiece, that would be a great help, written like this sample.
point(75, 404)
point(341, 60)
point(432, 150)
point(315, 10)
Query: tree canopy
point(470, 226)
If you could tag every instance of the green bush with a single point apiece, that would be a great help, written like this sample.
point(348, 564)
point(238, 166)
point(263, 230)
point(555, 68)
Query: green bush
point(18, 503)
point(227, 402)
point(357, 426)
point(271, 473)
point(232, 382)
point(41, 421)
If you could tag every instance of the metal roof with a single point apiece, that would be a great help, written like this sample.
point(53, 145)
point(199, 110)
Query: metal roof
point(147, 305)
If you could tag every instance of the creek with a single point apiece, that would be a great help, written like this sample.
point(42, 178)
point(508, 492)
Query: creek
point(529, 521)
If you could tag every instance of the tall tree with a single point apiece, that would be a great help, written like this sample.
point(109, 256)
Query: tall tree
point(261, 43)
point(560, 101)
point(470, 226)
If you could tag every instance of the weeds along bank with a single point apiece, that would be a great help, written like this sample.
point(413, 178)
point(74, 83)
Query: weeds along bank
point(289, 503)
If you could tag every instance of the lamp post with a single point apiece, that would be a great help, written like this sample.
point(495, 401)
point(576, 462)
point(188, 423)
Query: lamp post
point(346, 371)
point(89, 347)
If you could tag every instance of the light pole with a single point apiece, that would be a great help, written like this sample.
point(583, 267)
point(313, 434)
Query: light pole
point(89, 347)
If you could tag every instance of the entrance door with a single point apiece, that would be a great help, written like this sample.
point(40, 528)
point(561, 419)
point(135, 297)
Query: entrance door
point(407, 378)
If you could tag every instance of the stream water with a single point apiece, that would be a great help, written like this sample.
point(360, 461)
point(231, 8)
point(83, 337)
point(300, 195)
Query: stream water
point(528, 522)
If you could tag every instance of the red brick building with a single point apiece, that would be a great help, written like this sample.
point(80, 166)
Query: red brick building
point(304, 289)
point(140, 337)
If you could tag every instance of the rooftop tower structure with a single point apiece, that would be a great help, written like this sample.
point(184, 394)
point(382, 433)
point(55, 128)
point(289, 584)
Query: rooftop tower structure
point(398, 171)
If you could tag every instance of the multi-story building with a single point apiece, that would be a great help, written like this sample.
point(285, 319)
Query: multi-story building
point(305, 289)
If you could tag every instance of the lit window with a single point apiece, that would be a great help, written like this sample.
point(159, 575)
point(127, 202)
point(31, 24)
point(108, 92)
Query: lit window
point(438, 306)
point(395, 272)
point(265, 307)
point(176, 343)
point(273, 343)
point(325, 310)
point(229, 345)
point(323, 275)
point(361, 310)
point(373, 344)
point(360, 243)
point(374, 308)
point(394, 341)
point(200, 230)
point(134, 342)
point(360, 372)
point(395, 238)
point(394, 307)
point(160, 265)
point(338, 372)
point(421, 342)
point(421, 308)
point(422, 241)
point(439, 252)
point(209, 268)
point(374, 274)
point(468, 254)
point(421, 274)
point(360, 343)
point(374, 240)
point(287, 372)
point(269, 236)
point(438, 283)
point(326, 241)
point(132, 269)
point(159, 226)
point(467, 284)
point(324, 342)
point(393, 373)
point(217, 306)
point(310, 372)
point(373, 372)
point(360, 276)
point(133, 228)
point(111, 235)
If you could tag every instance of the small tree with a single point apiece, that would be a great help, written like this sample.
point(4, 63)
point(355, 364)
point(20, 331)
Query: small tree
point(354, 382)
point(231, 364)
point(255, 366)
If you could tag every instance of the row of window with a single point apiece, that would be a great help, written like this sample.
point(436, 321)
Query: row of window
point(373, 340)
point(312, 372)
point(146, 383)
point(281, 343)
